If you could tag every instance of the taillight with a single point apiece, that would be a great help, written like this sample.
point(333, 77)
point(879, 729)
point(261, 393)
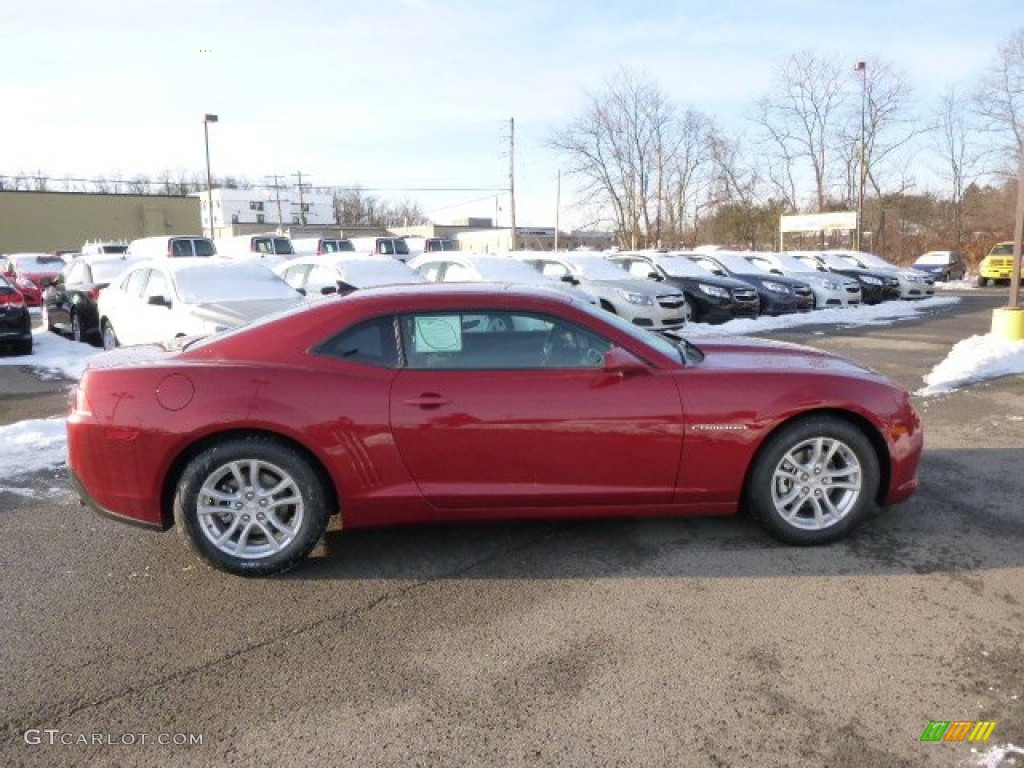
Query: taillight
point(12, 300)
point(94, 294)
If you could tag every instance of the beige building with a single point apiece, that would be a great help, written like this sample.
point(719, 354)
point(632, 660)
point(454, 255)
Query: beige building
point(63, 221)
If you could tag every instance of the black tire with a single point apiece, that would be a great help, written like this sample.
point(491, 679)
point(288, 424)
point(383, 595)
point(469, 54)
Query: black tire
point(982, 282)
point(823, 503)
point(245, 529)
point(23, 347)
point(109, 336)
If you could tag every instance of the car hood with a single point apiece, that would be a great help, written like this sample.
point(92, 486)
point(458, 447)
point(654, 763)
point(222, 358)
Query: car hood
point(753, 355)
point(239, 311)
point(645, 287)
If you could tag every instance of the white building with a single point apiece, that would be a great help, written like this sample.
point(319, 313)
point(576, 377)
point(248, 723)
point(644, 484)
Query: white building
point(266, 207)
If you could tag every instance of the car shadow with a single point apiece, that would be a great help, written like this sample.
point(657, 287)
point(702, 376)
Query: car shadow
point(965, 517)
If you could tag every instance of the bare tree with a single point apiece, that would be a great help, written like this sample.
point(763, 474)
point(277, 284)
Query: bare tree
point(621, 147)
point(801, 121)
point(999, 98)
point(953, 137)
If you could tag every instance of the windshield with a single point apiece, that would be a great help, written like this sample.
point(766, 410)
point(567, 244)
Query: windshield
point(364, 273)
point(837, 262)
point(734, 262)
point(113, 249)
point(646, 338)
point(335, 246)
point(789, 263)
point(503, 269)
point(1003, 249)
point(934, 257)
point(871, 260)
point(597, 268)
point(679, 266)
point(37, 262)
point(230, 282)
point(105, 271)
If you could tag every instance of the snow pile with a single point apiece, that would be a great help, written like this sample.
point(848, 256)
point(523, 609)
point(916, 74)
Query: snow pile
point(973, 360)
point(31, 446)
point(997, 757)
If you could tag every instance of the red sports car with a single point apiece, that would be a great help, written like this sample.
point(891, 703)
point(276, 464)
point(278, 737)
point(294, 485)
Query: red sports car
point(400, 405)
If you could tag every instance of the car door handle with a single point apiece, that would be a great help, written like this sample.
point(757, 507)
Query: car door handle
point(428, 400)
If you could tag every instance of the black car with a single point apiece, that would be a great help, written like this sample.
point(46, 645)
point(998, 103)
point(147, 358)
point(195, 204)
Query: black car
point(712, 298)
point(875, 286)
point(778, 295)
point(15, 323)
point(71, 300)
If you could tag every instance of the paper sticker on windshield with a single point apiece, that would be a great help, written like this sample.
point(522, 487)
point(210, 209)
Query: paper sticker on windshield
point(439, 333)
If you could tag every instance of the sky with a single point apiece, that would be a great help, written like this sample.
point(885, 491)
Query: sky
point(405, 96)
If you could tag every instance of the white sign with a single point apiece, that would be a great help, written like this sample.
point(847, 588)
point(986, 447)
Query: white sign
point(819, 222)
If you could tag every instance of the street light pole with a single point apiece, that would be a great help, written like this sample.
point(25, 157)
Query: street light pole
point(861, 67)
point(207, 119)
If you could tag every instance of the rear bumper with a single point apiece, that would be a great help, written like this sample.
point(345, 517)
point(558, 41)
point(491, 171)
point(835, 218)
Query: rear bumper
point(87, 500)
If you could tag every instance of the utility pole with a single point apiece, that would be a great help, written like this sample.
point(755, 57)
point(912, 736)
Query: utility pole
point(558, 206)
point(277, 186)
point(302, 202)
point(512, 176)
point(861, 67)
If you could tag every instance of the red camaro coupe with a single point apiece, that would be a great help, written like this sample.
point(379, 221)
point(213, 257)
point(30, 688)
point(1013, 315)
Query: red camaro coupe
point(403, 405)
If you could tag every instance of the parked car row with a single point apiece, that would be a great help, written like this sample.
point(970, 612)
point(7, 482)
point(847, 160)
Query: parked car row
point(160, 288)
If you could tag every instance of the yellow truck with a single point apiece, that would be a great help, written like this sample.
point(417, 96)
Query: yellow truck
point(997, 266)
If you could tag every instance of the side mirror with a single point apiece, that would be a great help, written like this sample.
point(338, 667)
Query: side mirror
point(327, 290)
point(654, 276)
point(159, 301)
point(622, 362)
point(569, 279)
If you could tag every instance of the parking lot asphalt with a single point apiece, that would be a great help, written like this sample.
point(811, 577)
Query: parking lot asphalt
point(668, 642)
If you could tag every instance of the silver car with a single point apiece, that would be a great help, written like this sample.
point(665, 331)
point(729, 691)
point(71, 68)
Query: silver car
point(454, 267)
point(830, 288)
point(914, 284)
point(644, 303)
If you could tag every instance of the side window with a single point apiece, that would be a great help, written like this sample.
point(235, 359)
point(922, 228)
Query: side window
point(637, 267)
point(262, 245)
point(553, 269)
point(457, 273)
point(498, 340)
point(386, 247)
point(431, 271)
point(295, 276)
point(321, 276)
point(134, 282)
point(76, 274)
point(157, 285)
point(204, 247)
point(371, 342)
point(181, 248)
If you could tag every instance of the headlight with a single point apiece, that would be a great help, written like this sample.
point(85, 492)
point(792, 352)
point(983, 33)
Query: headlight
point(636, 298)
point(775, 287)
point(714, 290)
point(828, 285)
point(871, 280)
point(913, 278)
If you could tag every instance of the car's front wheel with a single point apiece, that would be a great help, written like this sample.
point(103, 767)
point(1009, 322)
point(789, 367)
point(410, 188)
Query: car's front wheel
point(813, 481)
point(251, 506)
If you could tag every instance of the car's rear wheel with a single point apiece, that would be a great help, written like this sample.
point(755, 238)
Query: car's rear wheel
point(813, 481)
point(109, 336)
point(251, 506)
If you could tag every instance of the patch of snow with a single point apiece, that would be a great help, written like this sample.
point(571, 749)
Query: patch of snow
point(31, 446)
point(996, 757)
point(972, 360)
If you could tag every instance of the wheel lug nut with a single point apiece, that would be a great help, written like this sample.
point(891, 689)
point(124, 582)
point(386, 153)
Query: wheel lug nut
point(238, 505)
point(263, 502)
point(245, 518)
point(250, 495)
